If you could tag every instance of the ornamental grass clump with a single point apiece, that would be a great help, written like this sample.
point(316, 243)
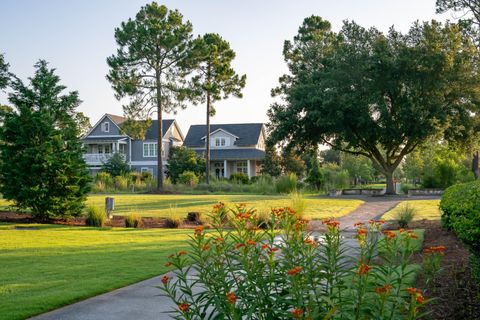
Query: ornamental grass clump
point(239, 271)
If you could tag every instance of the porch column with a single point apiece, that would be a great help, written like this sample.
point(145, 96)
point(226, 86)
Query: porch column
point(248, 168)
point(225, 169)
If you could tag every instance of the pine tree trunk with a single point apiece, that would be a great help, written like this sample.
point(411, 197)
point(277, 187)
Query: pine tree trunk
point(475, 165)
point(160, 137)
point(207, 155)
point(390, 183)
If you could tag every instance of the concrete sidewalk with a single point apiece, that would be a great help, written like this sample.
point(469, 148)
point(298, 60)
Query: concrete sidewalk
point(140, 301)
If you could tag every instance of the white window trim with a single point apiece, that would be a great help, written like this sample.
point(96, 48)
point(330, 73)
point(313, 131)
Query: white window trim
point(149, 144)
point(106, 126)
point(243, 168)
point(146, 169)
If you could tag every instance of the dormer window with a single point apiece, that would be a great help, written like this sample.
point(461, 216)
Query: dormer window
point(106, 127)
point(219, 142)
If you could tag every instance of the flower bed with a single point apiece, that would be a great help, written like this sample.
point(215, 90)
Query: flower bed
point(281, 272)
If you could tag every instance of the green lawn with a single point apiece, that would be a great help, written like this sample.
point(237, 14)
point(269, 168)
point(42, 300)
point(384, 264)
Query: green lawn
point(425, 209)
point(179, 205)
point(55, 265)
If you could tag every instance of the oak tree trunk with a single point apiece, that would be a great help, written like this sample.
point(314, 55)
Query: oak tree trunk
point(390, 183)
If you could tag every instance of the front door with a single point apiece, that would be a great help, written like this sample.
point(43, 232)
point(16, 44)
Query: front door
point(219, 170)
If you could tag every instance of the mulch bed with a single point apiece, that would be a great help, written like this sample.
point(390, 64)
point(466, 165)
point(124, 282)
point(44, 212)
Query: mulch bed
point(456, 292)
point(116, 221)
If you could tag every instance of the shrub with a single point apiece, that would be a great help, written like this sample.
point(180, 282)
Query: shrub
point(120, 182)
point(116, 165)
point(286, 184)
point(239, 177)
point(405, 215)
point(194, 216)
point(104, 177)
point(95, 217)
point(405, 187)
point(242, 271)
point(263, 185)
point(188, 178)
point(99, 186)
point(172, 223)
point(146, 176)
point(133, 221)
point(460, 206)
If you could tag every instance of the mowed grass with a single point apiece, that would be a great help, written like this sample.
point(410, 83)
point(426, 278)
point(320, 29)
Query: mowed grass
point(56, 265)
point(424, 209)
point(179, 205)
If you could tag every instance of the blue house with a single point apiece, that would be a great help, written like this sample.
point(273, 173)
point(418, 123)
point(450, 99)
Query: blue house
point(106, 138)
point(233, 147)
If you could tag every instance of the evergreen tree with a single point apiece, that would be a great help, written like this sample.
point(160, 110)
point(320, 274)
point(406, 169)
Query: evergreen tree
point(215, 79)
point(116, 165)
point(4, 75)
point(41, 157)
point(150, 68)
point(182, 159)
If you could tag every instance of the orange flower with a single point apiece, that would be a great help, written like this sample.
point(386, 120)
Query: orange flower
point(165, 279)
point(265, 246)
point(332, 224)
point(363, 269)
point(412, 290)
point(219, 239)
point(183, 307)
point(390, 234)
point(273, 250)
point(362, 232)
point(420, 299)
point(359, 224)
point(412, 235)
point(238, 246)
point(251, 242)
point(310, 242)
point(205, 247)
point(401, 230)
point(182, 253)
point(231, 297)
point(294, 271)
point(417, 294)
point(168, 264)
point(198, 230)
point(291, 211)
point(297, 313)
point(383, 290)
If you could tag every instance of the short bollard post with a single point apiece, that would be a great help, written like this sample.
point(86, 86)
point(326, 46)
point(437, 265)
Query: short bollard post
point(109, 206)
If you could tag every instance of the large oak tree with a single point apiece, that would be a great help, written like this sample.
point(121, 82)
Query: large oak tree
point(374, 94)
point(150, 68)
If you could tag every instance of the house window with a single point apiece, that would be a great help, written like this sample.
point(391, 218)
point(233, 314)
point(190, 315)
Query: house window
point(145, 169)
point(104, 148)
point(150, 149)
point(106, 127)
point(242, 167)
point(219, 142)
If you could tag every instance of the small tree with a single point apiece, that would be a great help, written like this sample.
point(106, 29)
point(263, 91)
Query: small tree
point(272, 165)
point(41, 157)
point(150, 68)
point(215, 78)
point(4, 75)
point(116, 165)
point(181, 159)
point(315, 176)
point(292, 163)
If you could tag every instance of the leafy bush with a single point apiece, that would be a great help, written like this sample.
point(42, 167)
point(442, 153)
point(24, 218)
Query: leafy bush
point(405, 187)
point(405, 215)
point(133, 221)
point(116, 165)
point(182, 159)
point(95, 217)
point(239, 177)
point(460, 206)
point(99, 186)
point(188, 178)
point(104, 177)
point(286, 184)
point(172, 223)
point(296, 277)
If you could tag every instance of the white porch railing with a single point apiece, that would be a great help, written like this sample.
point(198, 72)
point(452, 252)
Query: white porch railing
point(98, 158)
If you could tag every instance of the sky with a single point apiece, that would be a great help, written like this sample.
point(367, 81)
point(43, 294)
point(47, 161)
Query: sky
point(76, 37)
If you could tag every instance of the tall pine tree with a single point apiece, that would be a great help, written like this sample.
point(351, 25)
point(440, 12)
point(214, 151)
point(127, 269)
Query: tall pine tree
point(41, 163)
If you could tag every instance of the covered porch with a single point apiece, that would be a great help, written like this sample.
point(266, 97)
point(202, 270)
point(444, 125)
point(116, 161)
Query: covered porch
point(99, 150)
point(222, 169)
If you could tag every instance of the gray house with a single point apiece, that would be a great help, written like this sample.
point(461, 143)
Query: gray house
point(233, 147)
point(106, 138)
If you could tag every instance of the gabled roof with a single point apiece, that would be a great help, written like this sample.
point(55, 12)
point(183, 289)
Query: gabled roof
point(117, 119)
point(247, 133)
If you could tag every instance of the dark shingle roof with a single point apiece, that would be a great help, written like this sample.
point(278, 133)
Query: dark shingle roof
point(248, 133)
point(235, 154)
point(152, 132)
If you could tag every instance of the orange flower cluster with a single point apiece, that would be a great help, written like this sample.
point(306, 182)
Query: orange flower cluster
point(206, 247)
point(251, 242)
point(301, 224)
point(219, 239)
point(182, 253)
point(438, 249)
point(359, 224)
point(165, 279)
point(231, 297)
point(363, 269)
point(412, 234)
point(390, 234)
point(417, 294)
point(379, 222)
point(184, 307)
point(311, 242)
point(168, 264)
point(383, 290)
point(198, 231)
point(278, 212)
point(239, 245)
point(297, 313)
point(362, 232)
point(331, 223)
point(294, 271)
